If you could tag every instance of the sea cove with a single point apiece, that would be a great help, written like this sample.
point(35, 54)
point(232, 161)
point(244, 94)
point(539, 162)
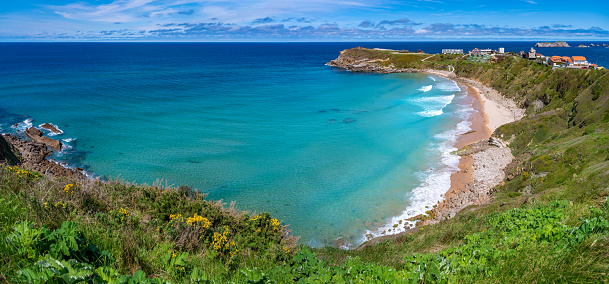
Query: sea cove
point(329, 152)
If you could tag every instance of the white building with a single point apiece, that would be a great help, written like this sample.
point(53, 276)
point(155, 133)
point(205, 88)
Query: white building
point(501, 50)
point(486, 51)
point(452, 51)
point(580, 61)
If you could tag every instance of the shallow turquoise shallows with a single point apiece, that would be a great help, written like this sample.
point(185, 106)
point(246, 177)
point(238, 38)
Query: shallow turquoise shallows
point(329, 152)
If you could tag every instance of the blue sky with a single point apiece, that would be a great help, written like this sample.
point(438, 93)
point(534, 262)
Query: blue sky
point(302, 20)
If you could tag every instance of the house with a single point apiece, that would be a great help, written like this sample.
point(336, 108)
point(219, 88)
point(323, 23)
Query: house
point(580, 61)
point(501, 50)
point(452, 51)
point(555, 61)
point(475, 51)
point(486, 51)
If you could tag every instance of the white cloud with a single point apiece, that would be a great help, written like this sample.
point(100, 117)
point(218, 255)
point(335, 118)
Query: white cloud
point(225, 10)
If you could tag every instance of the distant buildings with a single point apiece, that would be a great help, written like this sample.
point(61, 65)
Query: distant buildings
point(488, 51)
point(452, 51)
point(575, 62)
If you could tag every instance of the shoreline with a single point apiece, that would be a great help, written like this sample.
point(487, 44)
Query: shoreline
point(482, 157)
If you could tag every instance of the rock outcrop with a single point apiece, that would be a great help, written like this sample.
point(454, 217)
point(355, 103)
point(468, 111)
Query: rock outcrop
point(37, 136)
point(552, 44)
point(52, 128)
point(354, 64)
point(34, 155)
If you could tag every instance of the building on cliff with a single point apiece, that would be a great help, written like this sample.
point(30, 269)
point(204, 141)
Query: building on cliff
point(452, 51)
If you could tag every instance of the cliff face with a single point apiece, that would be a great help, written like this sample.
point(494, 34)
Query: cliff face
point(552, 44)
point(6, 153)
point(359, 60)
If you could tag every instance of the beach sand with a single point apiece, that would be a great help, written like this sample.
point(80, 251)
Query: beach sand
point(483, 158)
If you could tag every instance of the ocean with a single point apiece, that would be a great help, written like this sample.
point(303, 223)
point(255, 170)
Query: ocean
point(335, 155)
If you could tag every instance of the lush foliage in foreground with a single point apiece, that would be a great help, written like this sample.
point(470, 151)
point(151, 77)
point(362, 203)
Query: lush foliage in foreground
point(548, 223)
point(95, 231)
point(67, 255)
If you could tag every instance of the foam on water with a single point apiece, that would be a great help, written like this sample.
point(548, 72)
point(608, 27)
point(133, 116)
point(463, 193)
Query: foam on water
point(432, 78)
point(22, 126)
point(450, 86)
point(434, 184)
point(426, 88)
point(433, 105)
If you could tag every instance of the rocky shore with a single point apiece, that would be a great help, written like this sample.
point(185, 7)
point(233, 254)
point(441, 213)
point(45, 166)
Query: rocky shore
point(33, 154)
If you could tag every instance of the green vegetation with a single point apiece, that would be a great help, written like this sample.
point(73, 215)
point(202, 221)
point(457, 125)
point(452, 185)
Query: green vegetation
point(548, 222)
point(56, 231)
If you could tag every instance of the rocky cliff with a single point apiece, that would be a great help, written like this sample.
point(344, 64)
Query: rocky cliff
point(7, 153)
point(552, 44)
point(356, 60)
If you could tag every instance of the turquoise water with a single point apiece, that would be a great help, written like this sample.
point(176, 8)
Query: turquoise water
point(331, 153)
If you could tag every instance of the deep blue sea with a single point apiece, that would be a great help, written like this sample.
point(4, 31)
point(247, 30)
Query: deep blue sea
point(334, 154)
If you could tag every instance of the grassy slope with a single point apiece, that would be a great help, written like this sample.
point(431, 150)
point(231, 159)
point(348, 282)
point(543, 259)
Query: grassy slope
point(540, 228)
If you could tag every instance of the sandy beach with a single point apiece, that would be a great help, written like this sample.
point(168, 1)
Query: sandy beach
point(483, 158)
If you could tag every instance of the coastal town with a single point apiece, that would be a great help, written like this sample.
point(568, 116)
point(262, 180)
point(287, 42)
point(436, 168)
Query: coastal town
point(555, 61)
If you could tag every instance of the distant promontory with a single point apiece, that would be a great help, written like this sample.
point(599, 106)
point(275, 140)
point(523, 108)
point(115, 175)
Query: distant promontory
point(552, 44)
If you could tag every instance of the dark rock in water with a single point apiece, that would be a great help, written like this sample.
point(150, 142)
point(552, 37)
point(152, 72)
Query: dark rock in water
point(322, 111)
point(52, 128)
point(332, 120)
point(194, 162)
point(37, 136)
point(348, 120)
point(7, 153)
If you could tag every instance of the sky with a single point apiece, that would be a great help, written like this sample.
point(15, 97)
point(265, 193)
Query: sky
point(302, 20)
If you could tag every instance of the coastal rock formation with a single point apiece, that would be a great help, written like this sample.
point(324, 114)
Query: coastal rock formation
point(37, 136)
point(34, 155)
point(363, 64)
point(552, 44)
point(52, 128)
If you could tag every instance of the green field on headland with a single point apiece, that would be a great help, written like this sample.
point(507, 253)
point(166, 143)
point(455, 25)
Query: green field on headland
point(548, 221)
